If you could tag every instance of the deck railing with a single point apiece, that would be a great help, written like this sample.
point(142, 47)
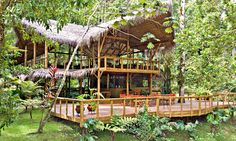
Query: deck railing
point(163, 106)
point(109, 62)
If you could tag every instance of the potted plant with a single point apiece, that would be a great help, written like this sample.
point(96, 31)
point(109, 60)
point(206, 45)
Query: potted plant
point(80, 97)
point(92, 106)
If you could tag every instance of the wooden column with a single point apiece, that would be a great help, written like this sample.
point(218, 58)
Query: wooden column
point(25, 56)
point(150, 84)
point(34, 55)
point(108, 79)
point(99, 71)
point(127, 84)
point(46, 56)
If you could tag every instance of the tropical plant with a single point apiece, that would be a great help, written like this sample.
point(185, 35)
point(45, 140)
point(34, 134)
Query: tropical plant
point(189, 127)
point(216, 118)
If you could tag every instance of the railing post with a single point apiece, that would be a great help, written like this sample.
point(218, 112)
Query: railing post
point(123, 107)
point(135, 106)
point(181, 106)
point(199, 106)
point(206, 103)
point(111, 108)
point(97, 110)
point(60, 107)
point(55, 107)
point(114, 63)
point(105, 62)
point(146, 103)
point(191, 106)
point(81, 113)
point(157, 106)
point(66, 107)
point(73, 109)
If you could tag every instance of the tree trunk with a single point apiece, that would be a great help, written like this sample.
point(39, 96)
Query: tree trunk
point(182, 52)
point(46, 117)
point(2, 29)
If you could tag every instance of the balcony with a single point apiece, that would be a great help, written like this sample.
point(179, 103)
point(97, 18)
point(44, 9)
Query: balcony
point(131, 65)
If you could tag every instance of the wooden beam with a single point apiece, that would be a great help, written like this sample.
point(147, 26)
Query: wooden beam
point(34, 55)
point(46, 56)
point(102, 44)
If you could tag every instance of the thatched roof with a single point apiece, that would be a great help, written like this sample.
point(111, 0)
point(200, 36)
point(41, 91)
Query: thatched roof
point(44, 73)
point(71, 34)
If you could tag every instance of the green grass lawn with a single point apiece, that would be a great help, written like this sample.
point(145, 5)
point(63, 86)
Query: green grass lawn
point(24, 127)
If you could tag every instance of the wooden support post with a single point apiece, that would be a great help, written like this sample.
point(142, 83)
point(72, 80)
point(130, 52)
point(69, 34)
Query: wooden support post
point(81, 113)
point(146, 103)
point(73, 109)
point(135, 106)
point(108, 79)
point(150, 84)
point(25, 56)
point(66, 107)
point(199, 106)
point(34, 55)
point(105, 62)
point(123, 107)
point(205, 104)
point(99, 71)
point(46, 56)
point(157, 106)
point(127, 84)
point(191, 106)
point(111, 108)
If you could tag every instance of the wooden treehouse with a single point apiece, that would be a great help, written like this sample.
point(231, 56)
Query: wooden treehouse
point(114, 62)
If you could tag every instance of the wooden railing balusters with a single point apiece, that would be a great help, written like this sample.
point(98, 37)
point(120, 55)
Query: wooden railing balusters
point(135, 106)
point(73, 109)
point(157, 106)
point(199, 106)
point(111, 108)
point(81, 113)
point(170, 103)
point(191, 107)
point(60, 107)
point(66, 107)
point(55, 107)
point(123, 107)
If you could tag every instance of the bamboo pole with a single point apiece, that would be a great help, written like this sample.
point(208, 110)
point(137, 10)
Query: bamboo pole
point(66, 107)
point(60, 107)
point(108, 79)
point(73, 109)
point(199, 106)
point(191, 106)
point(46, 56)
point(124, 108)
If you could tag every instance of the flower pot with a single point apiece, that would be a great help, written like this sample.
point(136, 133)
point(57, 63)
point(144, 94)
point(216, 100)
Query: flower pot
point(77, 109)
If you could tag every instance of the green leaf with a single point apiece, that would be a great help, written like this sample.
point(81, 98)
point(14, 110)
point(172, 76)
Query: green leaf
point(123, 22)
point(142, 1)
point(168, 30)
point(150, 45)
point(116, 24)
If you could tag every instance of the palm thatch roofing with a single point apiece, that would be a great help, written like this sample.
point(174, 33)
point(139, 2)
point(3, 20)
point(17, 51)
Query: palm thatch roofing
point(71, 34)
point(44, 73)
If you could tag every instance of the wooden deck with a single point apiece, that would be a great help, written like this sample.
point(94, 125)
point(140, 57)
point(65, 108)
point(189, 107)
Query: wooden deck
point(162, 106)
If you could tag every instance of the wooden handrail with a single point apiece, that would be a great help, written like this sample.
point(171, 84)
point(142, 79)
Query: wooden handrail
point(205, 105)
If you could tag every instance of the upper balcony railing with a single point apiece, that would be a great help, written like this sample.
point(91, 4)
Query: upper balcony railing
point(137, 65)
